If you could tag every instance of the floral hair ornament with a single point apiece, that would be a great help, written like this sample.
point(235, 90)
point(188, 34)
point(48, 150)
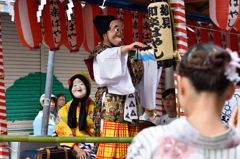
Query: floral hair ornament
point(231, 69)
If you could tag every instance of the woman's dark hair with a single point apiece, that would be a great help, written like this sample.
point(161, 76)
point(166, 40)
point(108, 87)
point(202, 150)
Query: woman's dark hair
point(60, 95)
point(204, 65)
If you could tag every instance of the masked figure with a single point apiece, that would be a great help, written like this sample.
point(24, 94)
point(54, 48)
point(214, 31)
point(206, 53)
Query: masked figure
point(75, 118)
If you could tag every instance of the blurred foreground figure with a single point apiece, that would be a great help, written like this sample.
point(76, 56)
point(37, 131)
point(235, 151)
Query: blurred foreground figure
point(206, 79)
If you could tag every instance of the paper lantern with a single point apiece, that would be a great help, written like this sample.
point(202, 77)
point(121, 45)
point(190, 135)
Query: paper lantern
point(29, 30)
point(54, 24)
point(90, 11)
point(75, 31)
point(224, 13)
point(160, 25)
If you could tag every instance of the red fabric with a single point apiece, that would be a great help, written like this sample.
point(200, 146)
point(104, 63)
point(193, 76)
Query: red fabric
point(90, 11)
point(110, 11)
point(140, 26)
point(204, 35)
point(89, 63)
point(128, 27)
point(234, 42)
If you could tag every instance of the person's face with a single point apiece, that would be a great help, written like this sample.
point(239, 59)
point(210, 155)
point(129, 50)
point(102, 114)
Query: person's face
point(52, 105)
point(115, 35)
point(169, 103)
point(79, 89)
point(61, 102)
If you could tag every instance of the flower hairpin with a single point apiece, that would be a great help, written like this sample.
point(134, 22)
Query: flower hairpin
point(231, 69)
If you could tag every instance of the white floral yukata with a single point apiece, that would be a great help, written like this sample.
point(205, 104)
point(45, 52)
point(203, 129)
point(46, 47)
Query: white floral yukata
point(179, 140)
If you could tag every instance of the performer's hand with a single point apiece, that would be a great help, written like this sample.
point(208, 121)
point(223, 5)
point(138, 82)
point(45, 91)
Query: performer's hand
point(132, 47)
point(81, 154)
point(235, 119)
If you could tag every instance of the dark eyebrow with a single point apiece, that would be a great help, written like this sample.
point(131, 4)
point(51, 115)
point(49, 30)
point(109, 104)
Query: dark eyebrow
point(116, 26)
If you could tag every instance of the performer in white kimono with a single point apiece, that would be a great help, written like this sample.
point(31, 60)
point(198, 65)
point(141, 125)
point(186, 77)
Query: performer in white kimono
point(118, 75)
point(206, 79)
point(230, 105)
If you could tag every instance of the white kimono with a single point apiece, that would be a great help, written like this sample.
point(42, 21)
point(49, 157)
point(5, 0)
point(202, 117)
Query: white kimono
point(118, 79)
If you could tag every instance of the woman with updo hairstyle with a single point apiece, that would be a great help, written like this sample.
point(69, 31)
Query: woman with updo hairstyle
point(206, 79)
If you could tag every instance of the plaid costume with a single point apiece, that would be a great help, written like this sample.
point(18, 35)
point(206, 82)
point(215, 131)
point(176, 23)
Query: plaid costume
point(115, 150)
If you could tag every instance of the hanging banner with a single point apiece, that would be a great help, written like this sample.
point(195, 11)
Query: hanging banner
point(198, 32)
point(160, 25)
point(210, 34)
point(135, 26)
point(146, 31)
point(224, 39)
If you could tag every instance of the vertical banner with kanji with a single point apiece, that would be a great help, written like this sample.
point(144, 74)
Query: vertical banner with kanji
point(4, 154)
point(160, 25)
point(135, 27)
point(224, 39)
point(198, 32)
point(146, 32)
point(210, 34)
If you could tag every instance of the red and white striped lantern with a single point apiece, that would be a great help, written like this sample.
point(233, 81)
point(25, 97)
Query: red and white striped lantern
point(75, 30)
point(90, 11)
point(4, 153)
point(29, 30)
point(54, 24)
point(224, 13)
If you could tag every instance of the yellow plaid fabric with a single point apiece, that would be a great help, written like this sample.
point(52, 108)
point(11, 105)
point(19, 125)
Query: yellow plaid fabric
point(115, 150)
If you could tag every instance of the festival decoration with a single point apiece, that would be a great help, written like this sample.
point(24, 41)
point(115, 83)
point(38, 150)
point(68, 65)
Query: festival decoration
point(90, 11)
point(53, 24)
point(160, 25)
point(29, 30)
point(135, 26)
point(145, 29)
point(224, 13)
point(178, 9)
point(160, 110)
point(224, 39)
point(3, 123)
point(210, 34)
point(74, 27)
point(198, 32)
